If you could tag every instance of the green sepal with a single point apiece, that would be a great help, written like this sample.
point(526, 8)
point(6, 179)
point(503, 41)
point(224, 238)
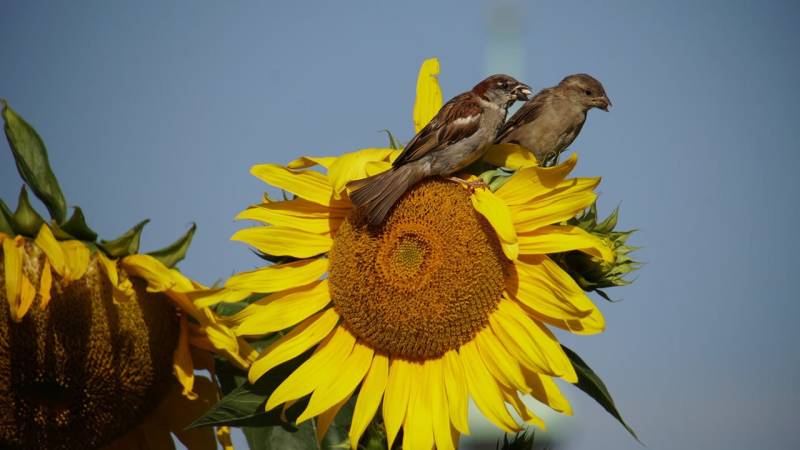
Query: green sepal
point(393, 143)
point(76, 227)
point(520, 441)
point(6, 219)
point(127, 244)
point(175, 252)
point(30, 155)
point(590, 383)
point(27, 221)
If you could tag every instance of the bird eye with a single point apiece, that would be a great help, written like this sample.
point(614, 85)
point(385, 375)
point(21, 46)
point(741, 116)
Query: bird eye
point(503, 84)
point(587, 92)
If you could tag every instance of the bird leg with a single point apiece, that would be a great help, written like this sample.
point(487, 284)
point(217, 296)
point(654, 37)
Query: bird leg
point(470, 185)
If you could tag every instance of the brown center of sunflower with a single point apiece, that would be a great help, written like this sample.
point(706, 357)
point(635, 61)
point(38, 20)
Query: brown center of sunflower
point(425, 281)
point(86, 368)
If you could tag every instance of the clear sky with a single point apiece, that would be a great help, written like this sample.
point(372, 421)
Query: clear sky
point(158, 109)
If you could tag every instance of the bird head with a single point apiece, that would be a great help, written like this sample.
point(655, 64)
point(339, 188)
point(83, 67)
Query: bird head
point(502, 90)
point(587, 91)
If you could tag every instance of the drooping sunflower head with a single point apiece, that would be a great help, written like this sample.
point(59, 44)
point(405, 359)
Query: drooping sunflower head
point(94, 336)
point(450, 299)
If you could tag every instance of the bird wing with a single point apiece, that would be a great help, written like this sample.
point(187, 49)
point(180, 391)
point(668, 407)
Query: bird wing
point(528, 113)
point(456, 120)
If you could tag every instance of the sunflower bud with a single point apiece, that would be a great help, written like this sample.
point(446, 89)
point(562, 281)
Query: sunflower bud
point(594, 274)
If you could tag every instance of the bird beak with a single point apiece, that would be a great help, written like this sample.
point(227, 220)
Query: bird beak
point(605, 103)
point(523, 92)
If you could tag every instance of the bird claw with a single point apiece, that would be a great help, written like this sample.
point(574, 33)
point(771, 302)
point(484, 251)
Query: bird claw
point(471, 186)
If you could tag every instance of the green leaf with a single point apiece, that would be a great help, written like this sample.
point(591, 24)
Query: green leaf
point(30, 155)
point(244, 404)
point(127, 244)
point(520, 441)
point(6, 219)
point(393, 143)
point(76, 227)
point(590, 383)
point(26, 220)
point(174, 253)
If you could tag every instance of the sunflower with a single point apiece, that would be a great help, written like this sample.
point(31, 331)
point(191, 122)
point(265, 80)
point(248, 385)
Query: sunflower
point(450, 299)
point(98, 343)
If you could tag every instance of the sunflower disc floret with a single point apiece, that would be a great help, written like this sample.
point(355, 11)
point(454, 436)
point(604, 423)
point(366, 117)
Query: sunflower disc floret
point(423, 284)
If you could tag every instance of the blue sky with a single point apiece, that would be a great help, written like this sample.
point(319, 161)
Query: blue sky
point(158, 109)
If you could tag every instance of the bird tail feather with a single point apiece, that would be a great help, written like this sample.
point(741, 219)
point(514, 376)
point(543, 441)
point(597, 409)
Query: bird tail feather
point(376, 195)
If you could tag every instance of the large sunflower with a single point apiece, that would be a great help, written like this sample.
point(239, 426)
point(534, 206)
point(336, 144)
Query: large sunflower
point(98, 343)
point(449, 299)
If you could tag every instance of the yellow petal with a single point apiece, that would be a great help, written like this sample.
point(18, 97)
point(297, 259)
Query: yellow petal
point(531, 183)
point(27, 294)
point(484, 389)
point(553, 296)
point(559, 205)
point(49, 245)
point(455, 384)
point(153, 271)
point(512, 341)
point(440, 415)
point(418, 424)
point(429, 94)
point(307, 184)
point(304, 162)
point(524, 413)
point(299, 207)
point(499, 216)
point(110, 267)
point(395, 400)
point(12, 262)
point(281, 241)
point(369, 398)
point(543, 346)
point(203, 298)
point(279, 276)
point(325, 419)
point(316, 370)
point(563, 238)
point(353, 166)
point(45, 284)
point(182, 363)
point(325, 224)
point(301, 338)
point(224, 438)
point(503, 367)
point(281, 310)
point(512, 156)
point(544, 389)
point(351, 371)
point(76, 259)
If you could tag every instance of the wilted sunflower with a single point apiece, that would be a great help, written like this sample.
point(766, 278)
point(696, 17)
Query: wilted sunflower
point(448, 299)
point(98, 344)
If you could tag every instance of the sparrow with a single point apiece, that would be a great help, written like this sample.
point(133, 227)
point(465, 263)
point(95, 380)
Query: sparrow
point(463, 129)
point(551, 120)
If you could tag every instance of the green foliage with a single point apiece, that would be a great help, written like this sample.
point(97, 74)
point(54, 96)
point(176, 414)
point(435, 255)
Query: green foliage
point(175, 252)
point(590, 383)
point(30, 155)
point(591, 273)
point(75, 228)
point(393, 143)
point(520, 441)
point(127, 244)
point(26, 220)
